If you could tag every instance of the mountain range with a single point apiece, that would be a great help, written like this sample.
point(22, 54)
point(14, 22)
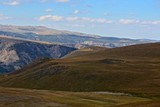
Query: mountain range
point(44, 67)
point(66, 38)
point(20, 45)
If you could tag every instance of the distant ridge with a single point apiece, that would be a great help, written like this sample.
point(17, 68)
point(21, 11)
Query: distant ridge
point(41, 30)
point(67, 38)
point(150, 50)
point(27, 40)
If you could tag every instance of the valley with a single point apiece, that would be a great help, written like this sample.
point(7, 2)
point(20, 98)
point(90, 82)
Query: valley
point(79, 53)
point(16, 53)
point(94, 69)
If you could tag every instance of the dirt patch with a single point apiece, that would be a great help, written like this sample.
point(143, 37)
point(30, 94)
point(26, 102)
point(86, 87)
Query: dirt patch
point(112, 61)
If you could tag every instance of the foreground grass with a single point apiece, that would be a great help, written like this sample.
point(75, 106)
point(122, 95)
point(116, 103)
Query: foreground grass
point(12, 97)
point(141, 78)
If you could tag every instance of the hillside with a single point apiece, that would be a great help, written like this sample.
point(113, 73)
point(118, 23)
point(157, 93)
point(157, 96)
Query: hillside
point(13, 97)
point(67, 38)
point(16, 53)
point(148, 51)
point(133, 69)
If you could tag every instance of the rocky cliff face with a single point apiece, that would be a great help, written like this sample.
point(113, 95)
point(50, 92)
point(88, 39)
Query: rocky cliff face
point(14, 53)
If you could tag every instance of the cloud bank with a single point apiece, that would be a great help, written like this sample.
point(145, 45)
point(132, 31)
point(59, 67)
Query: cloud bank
point(11, 3)
point(98, 20)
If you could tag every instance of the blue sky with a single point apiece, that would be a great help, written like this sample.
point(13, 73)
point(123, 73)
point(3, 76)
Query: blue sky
point(139, 19)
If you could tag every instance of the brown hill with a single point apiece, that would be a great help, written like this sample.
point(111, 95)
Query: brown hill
point(129, 52)
point(133, 69)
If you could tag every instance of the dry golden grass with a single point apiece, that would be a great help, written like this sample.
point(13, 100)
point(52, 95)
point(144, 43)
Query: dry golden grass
point(132, 69)
point(12, 97)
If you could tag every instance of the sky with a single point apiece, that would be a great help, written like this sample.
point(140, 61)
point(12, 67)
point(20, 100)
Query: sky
point(137, 19)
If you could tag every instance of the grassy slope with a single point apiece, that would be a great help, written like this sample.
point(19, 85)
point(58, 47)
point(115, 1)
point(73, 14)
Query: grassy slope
point(43, 98)
point(132, 69)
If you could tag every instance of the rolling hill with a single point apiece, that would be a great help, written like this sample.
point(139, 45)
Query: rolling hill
point(133, 69)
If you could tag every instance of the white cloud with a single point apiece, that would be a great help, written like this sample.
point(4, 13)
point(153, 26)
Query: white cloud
point(87, 19)
point(43, 0)
point(78, 25)
point(72, 18)
point(2, 16)
point(97, 20)
point(83, 19)
point(142, 22)
point(51, 18)
point(76, 12)
point(11, 3)
point(103, 20)
point(78, 19)
point(129, 21)
point(49, 10)
point(62, 1)
point(156, 22)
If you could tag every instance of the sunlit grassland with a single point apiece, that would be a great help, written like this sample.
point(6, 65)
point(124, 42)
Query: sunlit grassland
point(11, 97)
